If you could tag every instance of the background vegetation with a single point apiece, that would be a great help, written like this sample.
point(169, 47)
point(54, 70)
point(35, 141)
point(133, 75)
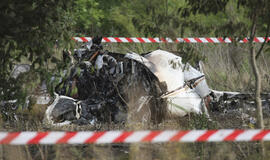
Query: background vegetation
point(36, 31)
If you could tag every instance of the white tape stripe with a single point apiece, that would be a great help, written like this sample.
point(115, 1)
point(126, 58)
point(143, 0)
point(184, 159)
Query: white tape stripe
point(267, 137)
point(192, 135)
point(261, 39)
point(88, 38)
point(78, 39)
point(215, 40)
point(103, 41)
point(135, 40)
point(3, 135)
point(23, 138)
point(227, 40)
point(169, 40)
point(192, 40)
point(157, 40)
point(80, 137)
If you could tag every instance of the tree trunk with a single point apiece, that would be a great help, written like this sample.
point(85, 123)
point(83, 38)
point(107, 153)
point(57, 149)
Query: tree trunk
point(258, 102)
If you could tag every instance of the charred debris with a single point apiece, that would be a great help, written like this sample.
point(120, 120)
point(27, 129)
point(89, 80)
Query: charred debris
point(102, 86)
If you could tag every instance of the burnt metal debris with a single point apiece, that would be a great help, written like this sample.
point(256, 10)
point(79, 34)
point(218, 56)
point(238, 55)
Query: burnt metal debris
point(104, 87)
point(8, 104)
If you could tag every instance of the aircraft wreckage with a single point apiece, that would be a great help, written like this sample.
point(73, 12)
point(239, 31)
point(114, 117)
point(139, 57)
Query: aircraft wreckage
point(102, 86)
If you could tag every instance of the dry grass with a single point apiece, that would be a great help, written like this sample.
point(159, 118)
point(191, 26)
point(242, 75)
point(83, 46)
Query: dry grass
point(228, 68)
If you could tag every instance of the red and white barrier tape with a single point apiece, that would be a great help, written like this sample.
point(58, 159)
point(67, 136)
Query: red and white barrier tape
point(21, 138)
point(169, 40)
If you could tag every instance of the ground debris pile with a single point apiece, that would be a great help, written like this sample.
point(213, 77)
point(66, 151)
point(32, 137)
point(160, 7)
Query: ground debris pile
point(101, 86)
point(235, 109)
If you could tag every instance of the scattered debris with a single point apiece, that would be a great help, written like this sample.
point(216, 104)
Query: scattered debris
point(9, 104)
point(19, 69)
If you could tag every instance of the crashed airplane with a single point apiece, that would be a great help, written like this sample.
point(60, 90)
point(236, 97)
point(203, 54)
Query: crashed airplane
point(101, 86)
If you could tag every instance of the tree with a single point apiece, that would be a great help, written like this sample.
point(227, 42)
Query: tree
point(29, 31)
point(257, 10)
point(257, 22)
point(88, 15)
point(252, 19)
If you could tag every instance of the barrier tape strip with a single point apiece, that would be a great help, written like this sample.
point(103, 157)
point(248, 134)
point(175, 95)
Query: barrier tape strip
point(169, 40)
point(105, 137)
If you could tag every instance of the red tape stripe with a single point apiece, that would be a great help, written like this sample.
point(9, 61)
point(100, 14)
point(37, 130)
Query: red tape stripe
point(129, 40)
point(260, 135)
point(209, 40)
point(163, 40)
point(151, 136)
point(256, 39)
point(206, 135)
point(233, 135)
point(152, 40)
point(94, 137)
point(187, 40)
point(118, 39)
point(198, 40)
point(84, 39)
point(221, 40)
point(37, 138)
point(122, 137)
point(106, 39)
point(140, 39)
point(179, 135)
point(67, 136)
point(245, 40)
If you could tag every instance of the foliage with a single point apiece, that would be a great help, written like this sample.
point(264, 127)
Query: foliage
point(258, 16)
point(30, 31)
point(231, 18)
point(88, 16)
